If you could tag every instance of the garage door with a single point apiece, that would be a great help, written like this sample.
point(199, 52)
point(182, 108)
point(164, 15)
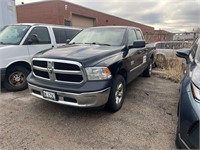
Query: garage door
point(82, 22)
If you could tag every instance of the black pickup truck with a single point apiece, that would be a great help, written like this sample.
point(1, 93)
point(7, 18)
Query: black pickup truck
point(93, 69)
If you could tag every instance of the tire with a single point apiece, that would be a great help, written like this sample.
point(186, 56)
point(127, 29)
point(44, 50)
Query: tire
point(15, 79)
point(148, 71)
point(117, 94)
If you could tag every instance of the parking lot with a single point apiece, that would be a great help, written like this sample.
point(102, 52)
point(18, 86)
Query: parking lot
point(147, 120)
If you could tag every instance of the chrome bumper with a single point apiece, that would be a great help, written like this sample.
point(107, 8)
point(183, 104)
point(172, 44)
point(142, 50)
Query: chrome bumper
point(90, 99)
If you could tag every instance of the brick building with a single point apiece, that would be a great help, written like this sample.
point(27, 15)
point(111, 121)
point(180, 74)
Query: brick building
point(158, 35)
point(65, 13)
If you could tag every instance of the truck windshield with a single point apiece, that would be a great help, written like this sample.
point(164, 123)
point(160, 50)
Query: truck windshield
point(12, 35)
point(100, 36)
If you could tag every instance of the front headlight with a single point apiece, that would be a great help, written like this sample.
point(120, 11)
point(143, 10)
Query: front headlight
point(98, 73)
point(195, 92)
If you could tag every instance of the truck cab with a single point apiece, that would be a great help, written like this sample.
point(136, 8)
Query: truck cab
point(93, 69)
point(18, 44)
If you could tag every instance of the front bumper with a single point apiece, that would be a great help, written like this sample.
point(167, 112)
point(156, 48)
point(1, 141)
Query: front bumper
point(86, 99)
point(2, 74)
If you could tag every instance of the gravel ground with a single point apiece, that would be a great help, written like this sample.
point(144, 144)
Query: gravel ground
point(147, 120)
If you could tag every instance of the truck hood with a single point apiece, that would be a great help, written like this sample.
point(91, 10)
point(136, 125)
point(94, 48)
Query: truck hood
point(88, 55)
point(1, 46)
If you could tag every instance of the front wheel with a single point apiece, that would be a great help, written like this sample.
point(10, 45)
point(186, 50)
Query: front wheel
point(117, 93)
point(15, 79)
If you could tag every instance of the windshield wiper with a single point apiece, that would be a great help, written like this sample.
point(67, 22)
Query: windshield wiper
point(96, 43)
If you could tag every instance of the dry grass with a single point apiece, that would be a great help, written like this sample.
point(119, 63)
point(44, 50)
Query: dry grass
point(172, 69)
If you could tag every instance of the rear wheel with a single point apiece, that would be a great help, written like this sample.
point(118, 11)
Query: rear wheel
point(148, 71)
point(15, 79)
point(117, 93)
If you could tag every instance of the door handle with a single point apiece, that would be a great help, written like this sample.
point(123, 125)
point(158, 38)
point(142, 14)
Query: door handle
point(52, 46)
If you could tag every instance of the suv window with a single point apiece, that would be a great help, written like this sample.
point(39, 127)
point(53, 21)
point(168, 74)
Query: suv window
point(62, 35)
point(197, 47)
point(194, 49)
point(42, 34)
point(139, 35)
point(131, 37)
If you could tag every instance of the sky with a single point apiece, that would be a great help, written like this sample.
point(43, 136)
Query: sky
point(171, 15)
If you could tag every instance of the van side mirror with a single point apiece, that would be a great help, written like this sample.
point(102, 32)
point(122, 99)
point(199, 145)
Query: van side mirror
point(138, 44)
point(33, 39)
point(183, 53)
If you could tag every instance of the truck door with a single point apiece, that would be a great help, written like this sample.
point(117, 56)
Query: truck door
point(133, 56)
point(38, 40)
point(142, 58)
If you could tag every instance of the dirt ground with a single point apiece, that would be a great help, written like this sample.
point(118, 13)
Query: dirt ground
point(147, 120)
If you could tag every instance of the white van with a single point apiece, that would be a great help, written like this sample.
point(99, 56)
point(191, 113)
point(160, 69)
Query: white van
point(19, 42)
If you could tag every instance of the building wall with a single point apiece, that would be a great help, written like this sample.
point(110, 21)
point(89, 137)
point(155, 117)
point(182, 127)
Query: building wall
point(185, 36)
point(47, 12)
point(56, 11)
point(7, 13)
point(158, 35)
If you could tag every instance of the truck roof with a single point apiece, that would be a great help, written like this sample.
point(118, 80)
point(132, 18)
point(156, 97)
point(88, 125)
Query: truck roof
point(125, 27)
point(41, 24)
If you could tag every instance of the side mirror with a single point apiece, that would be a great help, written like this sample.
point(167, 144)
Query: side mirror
point(67, 41)
point(183, 53)
point(138, 44)
point(33, 39)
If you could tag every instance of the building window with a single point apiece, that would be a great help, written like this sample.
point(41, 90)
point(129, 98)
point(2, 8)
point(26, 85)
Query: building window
point(67, 23)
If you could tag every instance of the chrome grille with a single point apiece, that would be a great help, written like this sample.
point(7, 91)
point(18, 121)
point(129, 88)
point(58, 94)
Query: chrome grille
point(58, 70)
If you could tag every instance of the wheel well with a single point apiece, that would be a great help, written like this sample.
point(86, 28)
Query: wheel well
point(22, 64)
point(123, 72)
point(152, 57)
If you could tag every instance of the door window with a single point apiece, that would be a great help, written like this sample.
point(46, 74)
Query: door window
point(42, 35)
point(139, 35)
point(131, 37)
point(194, 49)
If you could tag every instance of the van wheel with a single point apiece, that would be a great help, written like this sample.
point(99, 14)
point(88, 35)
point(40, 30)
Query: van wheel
point(148, 71)
point(15, 79)
point(117, 93)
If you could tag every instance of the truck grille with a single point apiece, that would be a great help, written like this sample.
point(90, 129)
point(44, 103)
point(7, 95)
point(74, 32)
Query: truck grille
point(58, 70)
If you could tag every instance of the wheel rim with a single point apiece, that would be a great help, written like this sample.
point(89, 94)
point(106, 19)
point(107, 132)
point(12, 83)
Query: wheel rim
point(17, 79)
point(119, 93)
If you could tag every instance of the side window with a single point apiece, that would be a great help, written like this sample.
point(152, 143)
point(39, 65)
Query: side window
point(139, 35)
point(62, 35)
point(59, 35)
point(194, 49)
point(131, 37)
point(70, 33)
point(198, 53)
point(42, 35)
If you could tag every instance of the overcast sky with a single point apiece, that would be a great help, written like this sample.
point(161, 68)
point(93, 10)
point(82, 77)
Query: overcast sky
point(170, 15)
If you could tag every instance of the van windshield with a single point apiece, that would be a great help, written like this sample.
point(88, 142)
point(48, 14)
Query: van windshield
point(12, 35)
point(100, 36)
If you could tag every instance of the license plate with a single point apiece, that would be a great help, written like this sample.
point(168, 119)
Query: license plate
point(49, 95)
